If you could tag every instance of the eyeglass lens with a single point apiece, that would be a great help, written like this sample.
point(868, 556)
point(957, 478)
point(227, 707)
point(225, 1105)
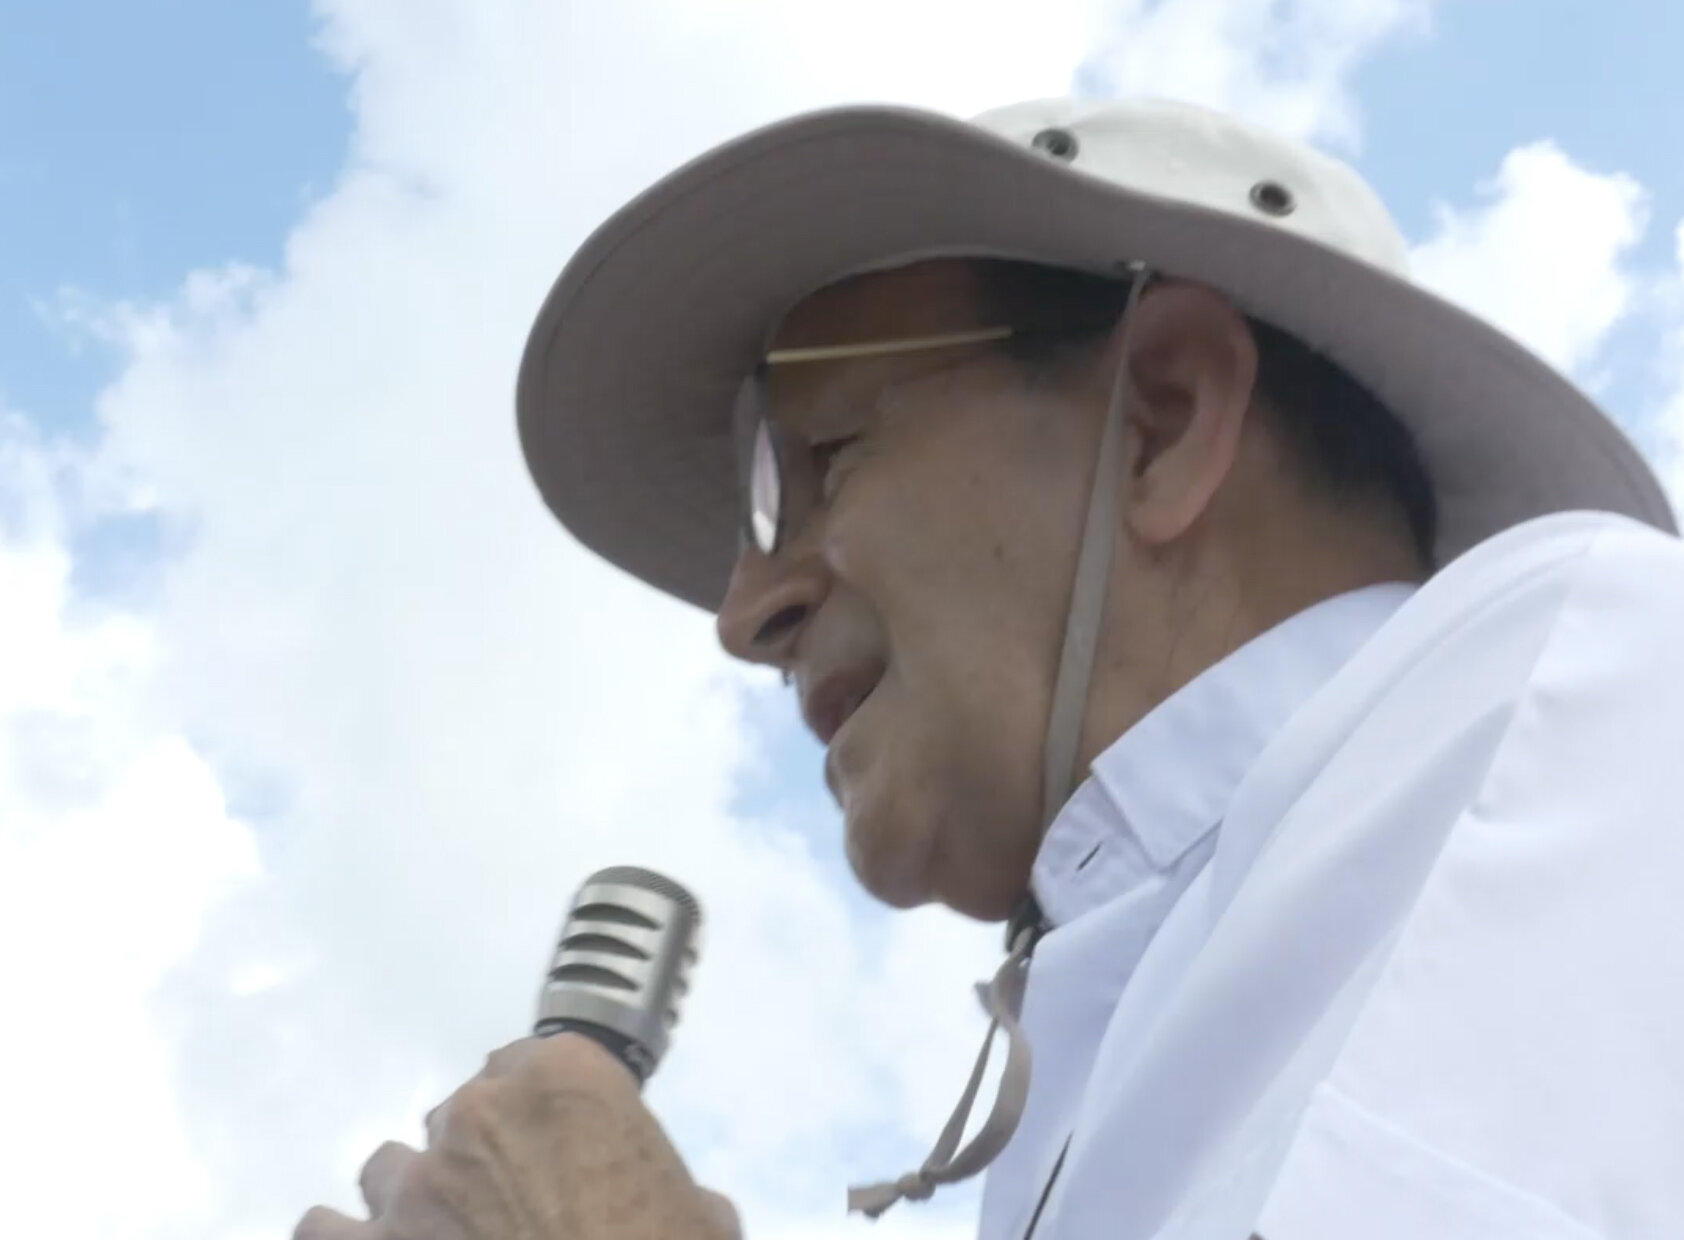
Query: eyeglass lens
point(765, 489)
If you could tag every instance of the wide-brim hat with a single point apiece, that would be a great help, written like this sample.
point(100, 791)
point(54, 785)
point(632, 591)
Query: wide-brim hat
point(631, 372)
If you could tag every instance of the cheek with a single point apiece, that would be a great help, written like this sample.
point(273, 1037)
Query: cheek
point(967, 569)
point(964, 544)
point(943, 791)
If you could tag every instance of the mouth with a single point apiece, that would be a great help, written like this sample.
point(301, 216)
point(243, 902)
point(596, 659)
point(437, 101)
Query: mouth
point(833, 700)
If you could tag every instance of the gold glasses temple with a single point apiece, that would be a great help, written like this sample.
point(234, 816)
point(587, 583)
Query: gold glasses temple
point(877, 348)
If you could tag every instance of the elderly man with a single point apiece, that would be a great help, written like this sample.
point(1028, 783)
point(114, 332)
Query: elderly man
point(1295, 663)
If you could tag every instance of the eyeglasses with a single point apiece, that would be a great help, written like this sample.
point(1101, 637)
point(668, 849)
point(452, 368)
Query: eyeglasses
point(782, 475)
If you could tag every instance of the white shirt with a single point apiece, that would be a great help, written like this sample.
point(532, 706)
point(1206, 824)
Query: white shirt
point(1375, 931)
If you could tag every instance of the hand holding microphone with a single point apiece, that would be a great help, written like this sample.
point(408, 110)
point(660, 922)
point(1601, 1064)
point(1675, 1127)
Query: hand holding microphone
point(552, 1139)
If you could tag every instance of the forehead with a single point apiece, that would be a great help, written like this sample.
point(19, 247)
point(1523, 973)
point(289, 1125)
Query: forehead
point(902, 303)
point(933, 296)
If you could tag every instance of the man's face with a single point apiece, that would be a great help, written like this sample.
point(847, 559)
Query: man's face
point(920, 603)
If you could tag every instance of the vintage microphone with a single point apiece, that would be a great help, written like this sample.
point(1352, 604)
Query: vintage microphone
point(622, 964)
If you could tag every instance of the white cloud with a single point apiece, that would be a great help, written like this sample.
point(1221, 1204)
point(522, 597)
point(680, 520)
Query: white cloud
point(113, 840)
point(433, 713)
point(1281, 63)
point(1544, 254)
point(1671, 417)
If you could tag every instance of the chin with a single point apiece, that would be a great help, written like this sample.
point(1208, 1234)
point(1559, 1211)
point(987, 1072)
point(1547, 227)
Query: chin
point(898, 891)
point(973, 866)
point(983, 906)
point(888, 853)
point(901, 899)
point(888, 879)
point(900, 863)
point(922, 828)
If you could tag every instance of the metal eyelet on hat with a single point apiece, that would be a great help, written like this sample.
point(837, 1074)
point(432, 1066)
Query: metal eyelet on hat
point(1273, 198)
point(1059, 143)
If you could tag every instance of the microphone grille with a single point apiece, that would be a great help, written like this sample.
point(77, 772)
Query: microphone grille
point(648, 880)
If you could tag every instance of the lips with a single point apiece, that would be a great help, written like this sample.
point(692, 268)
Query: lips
point(833, 699)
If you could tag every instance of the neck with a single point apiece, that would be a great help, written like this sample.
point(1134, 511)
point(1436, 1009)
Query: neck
point(1170, 617)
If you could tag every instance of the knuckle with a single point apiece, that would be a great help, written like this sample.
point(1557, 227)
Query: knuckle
point(424, 1181)
point(314, 1225)
point(721, 1217)
point(511, 1058)
point(579, 1065)
point(471, 1109)
point(382, 1164)
point(429, 1193)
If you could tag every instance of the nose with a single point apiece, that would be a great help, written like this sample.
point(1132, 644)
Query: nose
point(768, 603)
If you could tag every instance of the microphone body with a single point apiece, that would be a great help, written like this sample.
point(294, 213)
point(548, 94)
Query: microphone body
point(621, 965)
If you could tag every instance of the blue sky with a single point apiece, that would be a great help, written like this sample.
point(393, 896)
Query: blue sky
point(140, 142)
point(224, 296)
point(1600, 80)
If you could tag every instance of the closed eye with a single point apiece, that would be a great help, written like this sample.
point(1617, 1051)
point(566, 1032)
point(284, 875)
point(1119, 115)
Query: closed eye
point(824, 453)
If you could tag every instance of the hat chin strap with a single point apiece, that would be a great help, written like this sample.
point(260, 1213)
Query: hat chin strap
point(1086, 615)
point(1002, 996)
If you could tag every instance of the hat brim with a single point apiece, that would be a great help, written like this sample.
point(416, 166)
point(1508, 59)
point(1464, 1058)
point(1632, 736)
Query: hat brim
point(626, 388)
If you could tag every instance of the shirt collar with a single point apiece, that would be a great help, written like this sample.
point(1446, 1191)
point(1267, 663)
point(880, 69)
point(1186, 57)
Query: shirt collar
point(1166, 783)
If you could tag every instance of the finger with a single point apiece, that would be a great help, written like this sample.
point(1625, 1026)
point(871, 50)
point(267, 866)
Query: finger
point(462, 1108)
point(321, 1223)
point(436, 1119)
point(501, 1062)
point(382, 1174)
point(723, 1221)
point(507, 1060)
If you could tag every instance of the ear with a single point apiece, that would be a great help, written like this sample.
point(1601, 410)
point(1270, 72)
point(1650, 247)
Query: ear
point(1192, 366)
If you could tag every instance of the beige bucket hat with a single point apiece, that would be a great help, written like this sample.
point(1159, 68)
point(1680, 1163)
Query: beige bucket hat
point(627, 385)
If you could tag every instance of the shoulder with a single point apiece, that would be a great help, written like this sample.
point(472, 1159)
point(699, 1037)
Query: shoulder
point(1559, 587)
point(1565, 557)
point(1516, 1066)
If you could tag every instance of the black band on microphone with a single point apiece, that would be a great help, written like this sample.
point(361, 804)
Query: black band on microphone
point(639, 1062)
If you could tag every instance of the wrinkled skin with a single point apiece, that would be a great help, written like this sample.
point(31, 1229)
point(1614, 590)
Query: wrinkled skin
point(551, 1141)
point(936, 566)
